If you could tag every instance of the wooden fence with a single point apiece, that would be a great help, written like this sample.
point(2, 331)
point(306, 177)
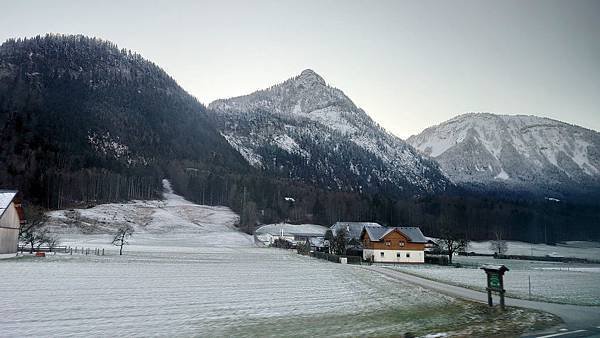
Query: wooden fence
point(64, 250)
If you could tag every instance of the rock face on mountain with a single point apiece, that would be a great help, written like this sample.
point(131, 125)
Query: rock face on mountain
point(304, 129)
point(81, 120)
point(514, 151)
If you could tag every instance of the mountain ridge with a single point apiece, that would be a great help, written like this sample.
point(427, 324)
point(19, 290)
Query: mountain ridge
point(515, 151)
point(311, 120)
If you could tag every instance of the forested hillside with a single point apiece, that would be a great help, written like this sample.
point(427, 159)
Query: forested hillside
point(82, 121)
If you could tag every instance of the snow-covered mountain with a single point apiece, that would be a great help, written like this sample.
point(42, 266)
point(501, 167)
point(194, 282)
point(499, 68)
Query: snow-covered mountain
point(513, 150)
point(306, 130)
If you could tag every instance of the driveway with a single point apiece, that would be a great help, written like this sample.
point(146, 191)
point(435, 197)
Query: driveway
point(576, 317)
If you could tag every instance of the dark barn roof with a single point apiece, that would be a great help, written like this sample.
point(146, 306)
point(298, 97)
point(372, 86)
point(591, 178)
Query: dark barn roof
point(414, 234)
point(354, 228)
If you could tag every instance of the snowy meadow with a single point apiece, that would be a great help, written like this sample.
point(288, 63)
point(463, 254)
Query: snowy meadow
point(557, 282)
point(189, 272)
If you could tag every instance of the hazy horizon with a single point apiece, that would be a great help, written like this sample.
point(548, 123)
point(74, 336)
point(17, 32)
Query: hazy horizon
point(409, 65)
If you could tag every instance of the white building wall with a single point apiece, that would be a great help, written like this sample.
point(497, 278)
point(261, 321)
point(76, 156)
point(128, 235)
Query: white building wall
point(9, 230)
point(394, 256)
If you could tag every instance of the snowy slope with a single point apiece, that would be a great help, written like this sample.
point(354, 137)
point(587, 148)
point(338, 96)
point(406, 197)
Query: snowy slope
point(304, 129)
point(514, 149)
point(174, 219)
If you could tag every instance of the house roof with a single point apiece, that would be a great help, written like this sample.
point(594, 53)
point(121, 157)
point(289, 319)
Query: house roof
point(6, 198)
point(307, 230)
point(414, 234)
point(354, 229)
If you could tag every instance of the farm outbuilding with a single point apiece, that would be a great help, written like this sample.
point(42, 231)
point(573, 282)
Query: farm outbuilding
point(293, 233)
point(11, 216)
point(353, 229)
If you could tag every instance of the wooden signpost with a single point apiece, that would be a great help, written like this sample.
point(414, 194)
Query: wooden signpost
point(495, 282)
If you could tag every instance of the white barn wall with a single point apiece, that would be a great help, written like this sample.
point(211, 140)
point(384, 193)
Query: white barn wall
point(390, 256)
point(9, 230)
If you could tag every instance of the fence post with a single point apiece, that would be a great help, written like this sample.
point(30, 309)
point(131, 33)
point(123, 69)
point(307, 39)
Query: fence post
point(102, 251)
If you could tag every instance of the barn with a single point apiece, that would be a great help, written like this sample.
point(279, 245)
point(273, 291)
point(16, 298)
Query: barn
point(353, 229)
point(11, 216)
point(393, 244)
point(293, 233)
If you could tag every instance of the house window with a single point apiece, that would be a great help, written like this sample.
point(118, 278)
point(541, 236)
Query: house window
point(401, 243)
point(407, 255)
point(381, 254)
point(388, 243)
point(397, 255)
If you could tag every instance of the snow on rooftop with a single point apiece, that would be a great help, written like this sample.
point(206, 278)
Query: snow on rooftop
point(291, 229)
point(6, 196)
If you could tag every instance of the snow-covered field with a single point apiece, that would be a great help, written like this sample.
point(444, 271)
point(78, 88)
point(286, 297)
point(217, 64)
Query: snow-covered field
point(188, 272)
point(223, 292)
point(578, 249)
point(550, 281)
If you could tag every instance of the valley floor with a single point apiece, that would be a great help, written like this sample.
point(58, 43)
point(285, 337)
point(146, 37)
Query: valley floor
point(185, 276)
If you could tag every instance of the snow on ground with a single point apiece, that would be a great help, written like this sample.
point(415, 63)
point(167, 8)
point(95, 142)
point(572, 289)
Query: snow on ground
point(578, 249)
point(171, 220)
point(245, 291)
point(550, 281)
point(188, 272)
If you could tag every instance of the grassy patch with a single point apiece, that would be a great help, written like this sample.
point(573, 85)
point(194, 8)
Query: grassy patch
point(457, 319)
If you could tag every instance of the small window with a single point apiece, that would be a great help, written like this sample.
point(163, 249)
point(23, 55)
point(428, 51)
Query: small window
point(397, 255)
point(407, 255)
point(381, 254)
point(388, 243)
point(401, 243)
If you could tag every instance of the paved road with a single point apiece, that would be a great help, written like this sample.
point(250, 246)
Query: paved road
point(584, 318)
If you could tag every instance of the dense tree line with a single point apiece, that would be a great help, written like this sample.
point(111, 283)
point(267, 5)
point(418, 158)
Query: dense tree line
point(262, 199)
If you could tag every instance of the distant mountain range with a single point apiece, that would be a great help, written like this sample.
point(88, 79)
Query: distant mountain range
point(514, 152)
point(305, 129)
point(83, 122)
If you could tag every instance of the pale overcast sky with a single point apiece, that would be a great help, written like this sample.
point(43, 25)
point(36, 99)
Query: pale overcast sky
point(409, 64)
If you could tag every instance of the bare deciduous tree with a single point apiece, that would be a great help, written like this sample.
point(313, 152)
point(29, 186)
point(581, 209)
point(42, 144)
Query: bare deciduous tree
point(498, 245)
point(452, 242)
point(33, 232)
point(329, 240)
point(121, 236)
point(340, 241)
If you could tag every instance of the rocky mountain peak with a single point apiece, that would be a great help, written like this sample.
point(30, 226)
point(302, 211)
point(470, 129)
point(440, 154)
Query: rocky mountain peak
point(309, 131)
point(310, 77)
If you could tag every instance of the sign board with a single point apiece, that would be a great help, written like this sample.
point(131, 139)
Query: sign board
point(494, 274)
point(494, 279)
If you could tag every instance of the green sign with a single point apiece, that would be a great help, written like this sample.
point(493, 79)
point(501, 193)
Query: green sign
point(495, 280)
